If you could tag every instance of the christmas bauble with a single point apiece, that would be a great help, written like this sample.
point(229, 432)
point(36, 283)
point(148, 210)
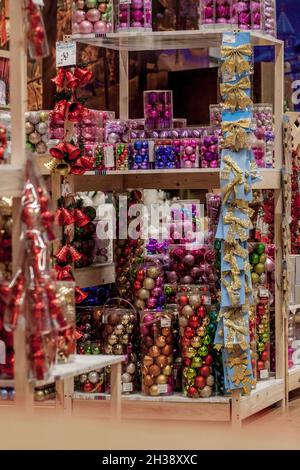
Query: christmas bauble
point(93, 377)
point(167, 370)
point(153, 272)
point(149, 283)
point(200, 381)
point(206, 392)
point(154, 370)
point(154, 390)
point(210, 380)
point(162, 379)
point(195, 300)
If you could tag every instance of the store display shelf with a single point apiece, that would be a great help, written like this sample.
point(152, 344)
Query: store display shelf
point(176, 398)
point(4, 54)
point(9, 383)
point(266, 394)
point(167, 40)
point(11, 180)
point(294, 378)
point(81, 365)
point(95, 275)
point(196, 178)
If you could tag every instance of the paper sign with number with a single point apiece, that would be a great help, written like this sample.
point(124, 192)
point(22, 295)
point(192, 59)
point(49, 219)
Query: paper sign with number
point(65, 54)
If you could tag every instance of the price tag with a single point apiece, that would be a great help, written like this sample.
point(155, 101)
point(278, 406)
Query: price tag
point(264, 374)
point(165, 322)
point(2, 353)
point(128, 387)
point(151, 150)
point(109, 156)
point(229, 38)
point(65, 54)
point(162, 388)
point(125, 2)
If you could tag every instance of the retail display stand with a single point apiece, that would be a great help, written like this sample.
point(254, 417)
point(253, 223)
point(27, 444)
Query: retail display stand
point(267, 393)
point(235, 408)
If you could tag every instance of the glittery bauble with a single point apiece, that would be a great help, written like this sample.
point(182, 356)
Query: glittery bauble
point(148, 380)
point(131, 368)
point(125, 319)
point(34, 117)
point(154, 351)
point(154, 392)
point(189, 352)
point(154, 370)
point(93, 377)
point(140, 304)
point(196, 342)
point(147, 361)
point(29, 127)
point(41, 127)
point(187, 311)
point(34, 138)
point(203, 350)
point(119, 330)
point(160, 341)
point(206, 392)
point(196, 362)
point(118, 349)
point(161, 360)
point(153, 272)
point(195, 300)
point(112, 339)
point(210, 380)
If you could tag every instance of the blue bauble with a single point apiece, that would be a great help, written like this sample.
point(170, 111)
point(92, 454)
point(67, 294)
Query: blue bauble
point(138, 145)
point(138, 159)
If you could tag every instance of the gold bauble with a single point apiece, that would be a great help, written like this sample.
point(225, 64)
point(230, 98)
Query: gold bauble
point(195, 300)
point(154, 351)
point(210, 380)
point(201, 331)
point(183, 321)
point(165, 331)
point(112, 339)
point(196, 342)
point(187, 311)
point(147, 361)
point(154, 370)
point(167, 370)
point(149, 283)
point(206, 392)
point(160, 342)
point(143, 294)
point(154, 391)
point(162, 379)
point(125, 319)
point(153, 272)
point(161, 360)
point(148, 381)
point(119, 330)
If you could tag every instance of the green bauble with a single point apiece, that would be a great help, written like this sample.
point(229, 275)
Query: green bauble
point(168, 291)
point(217, 265)
point(203, 350)
point(212, 329)
point(196, 362)
point(96, 350)
point(263, 258)
point(191, 373)
point(260, 346)
point(254, 259)
point(260, 248)
point(88, 349)
point(217, 245)
point(255, 278)
point(207, 340)
point(259, 268)
point(265, 337)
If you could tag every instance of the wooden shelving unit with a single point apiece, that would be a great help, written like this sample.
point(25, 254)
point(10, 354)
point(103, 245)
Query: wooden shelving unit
point(236, 408)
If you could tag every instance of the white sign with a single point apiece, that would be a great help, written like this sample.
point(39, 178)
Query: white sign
point(65, 54)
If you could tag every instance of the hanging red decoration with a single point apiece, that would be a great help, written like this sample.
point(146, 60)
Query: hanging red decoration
point(81, 218)
point(37, 38)
point(84, 76)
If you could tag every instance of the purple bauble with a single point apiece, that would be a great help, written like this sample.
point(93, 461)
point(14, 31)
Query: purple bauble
point(151, 302)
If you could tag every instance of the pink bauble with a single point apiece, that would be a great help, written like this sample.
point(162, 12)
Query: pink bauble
point(86, 27)
point(270, 265)
point(93, 15)
point(78, 16)
point(144, 330)
point(75, 28)
point(137, 15)
point(109, 27)
point(214, 164)
point(137, 4)
point(100, 27)
point(59, 133)
point(156, 292)
point(172, 277)
point(151, 302)
point(188, 164)
point(159, 281)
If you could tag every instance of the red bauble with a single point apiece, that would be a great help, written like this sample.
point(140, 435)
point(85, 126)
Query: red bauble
point(140, 275)
point(260, 365)
point(88, 387)
point(192, 391)
point(200, 381)
point(265, 356)
point(201, 311)
point(261, 309)
point(189, 332)
point(185, 342)
point(205, 371)
point(137, 285)
point(194, 321)
point(208, 360)
point(183, 300)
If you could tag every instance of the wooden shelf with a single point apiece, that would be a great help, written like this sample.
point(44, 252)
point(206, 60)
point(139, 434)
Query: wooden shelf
point(81, 365)
point(167, 40)
point(11, 180)
point(294, 378)
point(266, 394)
point(7, 383)
point(95, 275)
point(196, 178)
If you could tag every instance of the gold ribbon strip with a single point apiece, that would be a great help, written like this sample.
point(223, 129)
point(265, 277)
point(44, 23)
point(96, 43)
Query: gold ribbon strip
point(236, 134)
point(234, 59)
point(235, 96)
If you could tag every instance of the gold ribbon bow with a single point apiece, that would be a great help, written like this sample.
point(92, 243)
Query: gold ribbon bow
point(236, 332)
point(234, 59)
point(235, 96)
point(236, 134)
